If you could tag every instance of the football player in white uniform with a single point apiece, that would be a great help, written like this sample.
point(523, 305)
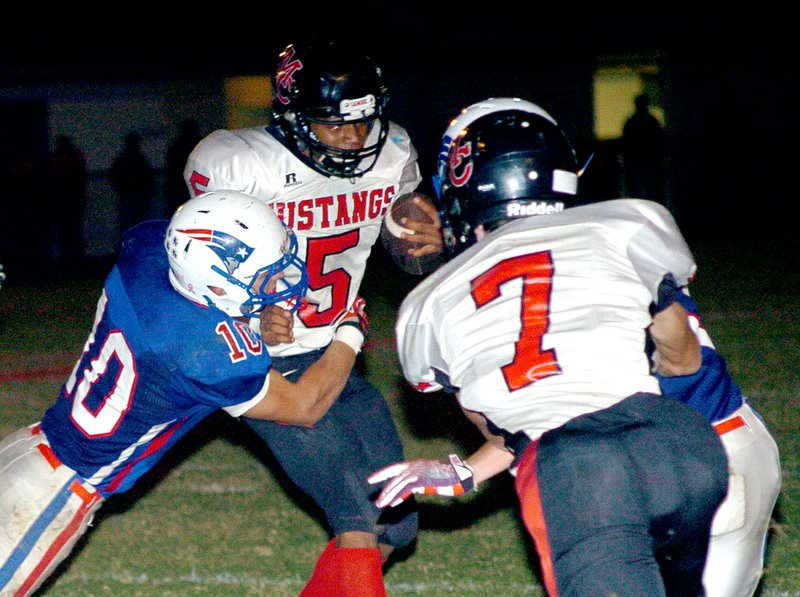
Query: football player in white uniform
point(330, 164)
point(736, 551)
point(539, 323)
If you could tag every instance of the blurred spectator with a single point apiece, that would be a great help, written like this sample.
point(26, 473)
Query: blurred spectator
point(23, 207)
point(134, 180)
point(176, 192)
point(67, 197)
point(643, 153)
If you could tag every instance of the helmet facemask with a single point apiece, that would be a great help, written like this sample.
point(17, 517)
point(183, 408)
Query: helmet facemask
point(259, 292)
point(334, 161)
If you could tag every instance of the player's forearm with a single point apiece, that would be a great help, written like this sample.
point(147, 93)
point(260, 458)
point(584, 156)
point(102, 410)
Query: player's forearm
point(488, 461)
point(322, 383)
point(492, 457)
point(676, 343)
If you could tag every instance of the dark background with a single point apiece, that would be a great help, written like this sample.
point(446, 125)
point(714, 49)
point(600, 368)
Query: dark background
point(438, 59)
point(134, 39)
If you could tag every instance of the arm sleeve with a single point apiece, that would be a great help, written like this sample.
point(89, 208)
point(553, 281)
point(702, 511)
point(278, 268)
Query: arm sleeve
point(221, 160)
point(410, 178)
point(417, 346)
point(658, 248)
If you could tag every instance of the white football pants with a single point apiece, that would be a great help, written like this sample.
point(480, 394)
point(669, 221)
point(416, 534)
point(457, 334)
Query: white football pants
point(739, 532)
point(44, 509)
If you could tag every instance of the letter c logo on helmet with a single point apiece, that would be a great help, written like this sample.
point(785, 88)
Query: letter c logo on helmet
point(460, 157)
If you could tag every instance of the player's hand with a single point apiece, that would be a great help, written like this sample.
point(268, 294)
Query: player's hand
point(2, 275)
point(276, 325)
point(428, 234)
point(423, 477)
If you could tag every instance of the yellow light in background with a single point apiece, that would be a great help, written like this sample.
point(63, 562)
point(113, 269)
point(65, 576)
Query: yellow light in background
point(615, 88)
point(248, 101)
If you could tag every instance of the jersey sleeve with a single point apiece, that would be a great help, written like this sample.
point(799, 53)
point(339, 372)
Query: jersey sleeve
point(410, 178)
point(418, 348)
point(237, 410)
point(658, 248)
point(222, 160)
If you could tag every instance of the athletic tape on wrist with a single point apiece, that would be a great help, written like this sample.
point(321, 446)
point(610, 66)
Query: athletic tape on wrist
point(464, 472)
point(350, 335)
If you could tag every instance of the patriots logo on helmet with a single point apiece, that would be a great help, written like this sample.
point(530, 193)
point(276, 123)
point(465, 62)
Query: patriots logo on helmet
point(284, 79)
point(230, 249)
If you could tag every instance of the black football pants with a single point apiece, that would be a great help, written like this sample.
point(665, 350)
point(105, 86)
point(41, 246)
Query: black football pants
point(620, 501)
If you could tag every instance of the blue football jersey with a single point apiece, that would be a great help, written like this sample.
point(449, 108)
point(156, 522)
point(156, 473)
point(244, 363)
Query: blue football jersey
point(711, 390)
point(154, 365)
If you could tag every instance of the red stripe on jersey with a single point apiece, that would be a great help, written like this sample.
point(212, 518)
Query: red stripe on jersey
point(153, 447)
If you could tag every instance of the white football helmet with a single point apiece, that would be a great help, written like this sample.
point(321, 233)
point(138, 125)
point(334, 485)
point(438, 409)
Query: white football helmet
point(234, 242)
point(469, 115)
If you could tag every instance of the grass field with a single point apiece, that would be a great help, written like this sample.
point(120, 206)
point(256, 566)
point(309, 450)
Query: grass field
point(218, 519)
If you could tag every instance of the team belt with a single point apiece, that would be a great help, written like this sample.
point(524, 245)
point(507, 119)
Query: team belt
point(87, 495)
point(727, 425)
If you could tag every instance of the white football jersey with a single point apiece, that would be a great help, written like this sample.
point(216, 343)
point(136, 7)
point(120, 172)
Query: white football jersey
point(336, 220)
point(544, 320)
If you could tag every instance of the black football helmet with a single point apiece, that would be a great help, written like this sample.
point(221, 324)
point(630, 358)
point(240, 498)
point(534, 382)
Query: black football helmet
point(329, 83)
point(506, 165)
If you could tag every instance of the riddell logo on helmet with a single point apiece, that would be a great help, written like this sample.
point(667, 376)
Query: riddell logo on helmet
point(538, 208)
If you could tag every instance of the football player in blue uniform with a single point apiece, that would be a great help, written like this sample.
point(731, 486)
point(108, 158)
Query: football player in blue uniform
point(170, 345)
point(735, 561)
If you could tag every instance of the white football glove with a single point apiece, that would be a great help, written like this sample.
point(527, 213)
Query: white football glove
point(423, 477)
